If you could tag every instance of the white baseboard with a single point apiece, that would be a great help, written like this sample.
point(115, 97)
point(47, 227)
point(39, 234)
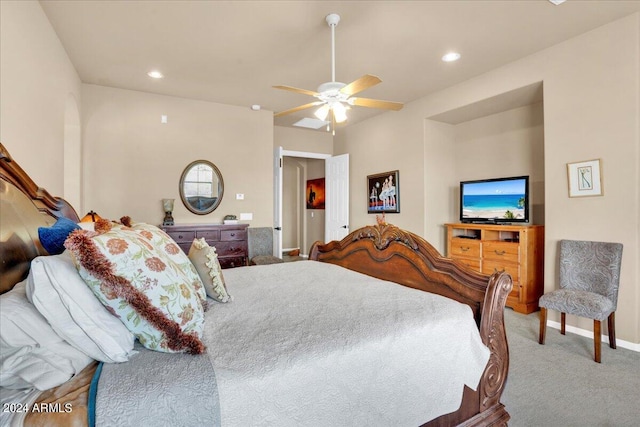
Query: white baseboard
point(589, 334)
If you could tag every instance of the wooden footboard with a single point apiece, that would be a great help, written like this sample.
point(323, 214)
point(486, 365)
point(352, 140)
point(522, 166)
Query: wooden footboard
point(389, 253)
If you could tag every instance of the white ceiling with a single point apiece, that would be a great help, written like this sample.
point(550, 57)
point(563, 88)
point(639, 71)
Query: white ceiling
point(233, 52)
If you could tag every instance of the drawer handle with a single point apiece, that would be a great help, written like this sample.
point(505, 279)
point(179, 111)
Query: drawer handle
point(500, 252)
point(464, 249)
point(233, 234)
point(180, 236)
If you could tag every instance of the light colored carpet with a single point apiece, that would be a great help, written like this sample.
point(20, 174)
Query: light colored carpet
point(559, 384)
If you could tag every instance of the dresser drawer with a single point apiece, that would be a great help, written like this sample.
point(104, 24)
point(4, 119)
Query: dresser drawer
point(465, 247)
point(501, 251)
point(238, 248)
point(232, 235)
point(490, 267)
point(209, 235)
point(182, 236)
point(473, 263)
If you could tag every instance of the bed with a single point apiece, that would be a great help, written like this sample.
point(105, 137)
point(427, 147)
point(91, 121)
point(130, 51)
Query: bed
point(338, 343)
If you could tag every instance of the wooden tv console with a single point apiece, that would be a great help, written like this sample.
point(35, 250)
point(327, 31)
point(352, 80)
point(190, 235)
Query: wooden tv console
point(516, 249)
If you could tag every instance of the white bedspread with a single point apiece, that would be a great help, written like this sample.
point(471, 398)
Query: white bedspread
point(331, 347)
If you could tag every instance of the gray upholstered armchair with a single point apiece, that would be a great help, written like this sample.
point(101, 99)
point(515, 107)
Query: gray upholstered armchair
point(261, 246)
point(589, 281)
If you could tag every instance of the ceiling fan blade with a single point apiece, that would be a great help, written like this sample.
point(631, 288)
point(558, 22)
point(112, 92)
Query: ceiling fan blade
point(297, 90)
point(376, 103)
point(360, 84)
point(299, 108)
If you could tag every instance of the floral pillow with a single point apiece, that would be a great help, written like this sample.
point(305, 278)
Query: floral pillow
point(205, 260)
point(162, 241)
point(141, 285)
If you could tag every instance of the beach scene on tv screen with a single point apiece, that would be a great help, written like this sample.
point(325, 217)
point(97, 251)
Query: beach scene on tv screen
point(494, 200)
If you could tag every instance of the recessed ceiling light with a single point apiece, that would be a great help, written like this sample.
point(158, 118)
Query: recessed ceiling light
point(557, 2)
point(451, 56)
point(256, 107)
point(155, 74)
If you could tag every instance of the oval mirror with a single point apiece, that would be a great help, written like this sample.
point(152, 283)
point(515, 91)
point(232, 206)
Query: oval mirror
point(201, 187)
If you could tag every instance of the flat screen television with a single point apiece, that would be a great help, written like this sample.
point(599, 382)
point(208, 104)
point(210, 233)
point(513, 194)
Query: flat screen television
point(496, 200)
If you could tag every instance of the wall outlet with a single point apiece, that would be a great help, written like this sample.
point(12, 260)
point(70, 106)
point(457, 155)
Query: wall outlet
point(239, 196)
point(246, 216)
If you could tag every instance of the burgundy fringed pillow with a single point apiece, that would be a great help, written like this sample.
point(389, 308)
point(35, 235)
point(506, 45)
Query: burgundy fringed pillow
point(142, 286)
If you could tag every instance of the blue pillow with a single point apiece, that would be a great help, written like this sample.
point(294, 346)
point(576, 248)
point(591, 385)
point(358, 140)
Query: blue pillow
point(52, 238)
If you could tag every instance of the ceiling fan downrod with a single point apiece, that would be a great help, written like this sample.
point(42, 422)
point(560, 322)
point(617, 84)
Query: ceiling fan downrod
point(333, 19)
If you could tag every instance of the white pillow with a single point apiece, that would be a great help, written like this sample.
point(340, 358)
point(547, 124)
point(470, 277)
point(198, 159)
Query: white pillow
point(31, 353)
point(64, 299)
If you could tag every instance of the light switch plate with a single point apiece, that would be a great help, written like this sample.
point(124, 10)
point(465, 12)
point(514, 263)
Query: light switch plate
point(246, 216)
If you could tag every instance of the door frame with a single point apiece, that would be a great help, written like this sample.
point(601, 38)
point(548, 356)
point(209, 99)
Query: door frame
point(279, 153)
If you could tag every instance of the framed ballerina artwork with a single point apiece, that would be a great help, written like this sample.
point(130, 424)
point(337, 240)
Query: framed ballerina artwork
point(383, 190)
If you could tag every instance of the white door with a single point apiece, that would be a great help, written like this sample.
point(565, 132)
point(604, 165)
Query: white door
point(277, 202)
point(336, 220)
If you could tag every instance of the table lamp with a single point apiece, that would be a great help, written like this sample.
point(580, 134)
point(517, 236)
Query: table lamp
point(167, 205)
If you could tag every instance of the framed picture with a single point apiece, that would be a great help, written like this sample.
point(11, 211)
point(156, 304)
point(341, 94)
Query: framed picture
point(585, 178)
point(383, 192)
point(315, 193)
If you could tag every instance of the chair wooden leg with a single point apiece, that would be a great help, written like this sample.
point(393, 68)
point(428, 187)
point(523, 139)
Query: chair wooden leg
point(543, 325)
point(563, 321)
point(611, 326)
point(597, 337)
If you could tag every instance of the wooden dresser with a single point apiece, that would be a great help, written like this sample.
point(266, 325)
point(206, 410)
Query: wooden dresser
point(230, 240)
point(516, 249)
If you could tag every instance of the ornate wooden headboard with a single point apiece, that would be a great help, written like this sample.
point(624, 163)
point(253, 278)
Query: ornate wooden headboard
point(23, 208)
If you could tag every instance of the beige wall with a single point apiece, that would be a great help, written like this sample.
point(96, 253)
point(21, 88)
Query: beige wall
point(37, 81)
point(510, 143)
point(132, 161)
point(383, 144)
point(591, 110)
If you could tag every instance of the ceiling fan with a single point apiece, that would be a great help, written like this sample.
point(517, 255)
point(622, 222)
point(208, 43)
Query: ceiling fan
point(336, 97)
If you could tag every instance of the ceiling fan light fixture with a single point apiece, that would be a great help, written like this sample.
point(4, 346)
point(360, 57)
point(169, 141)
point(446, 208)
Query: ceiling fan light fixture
point(322, 112)
point(339, 112)
point(337, 97)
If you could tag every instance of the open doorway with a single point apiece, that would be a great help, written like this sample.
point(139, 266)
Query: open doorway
point(336, 220)
point(303, 213)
